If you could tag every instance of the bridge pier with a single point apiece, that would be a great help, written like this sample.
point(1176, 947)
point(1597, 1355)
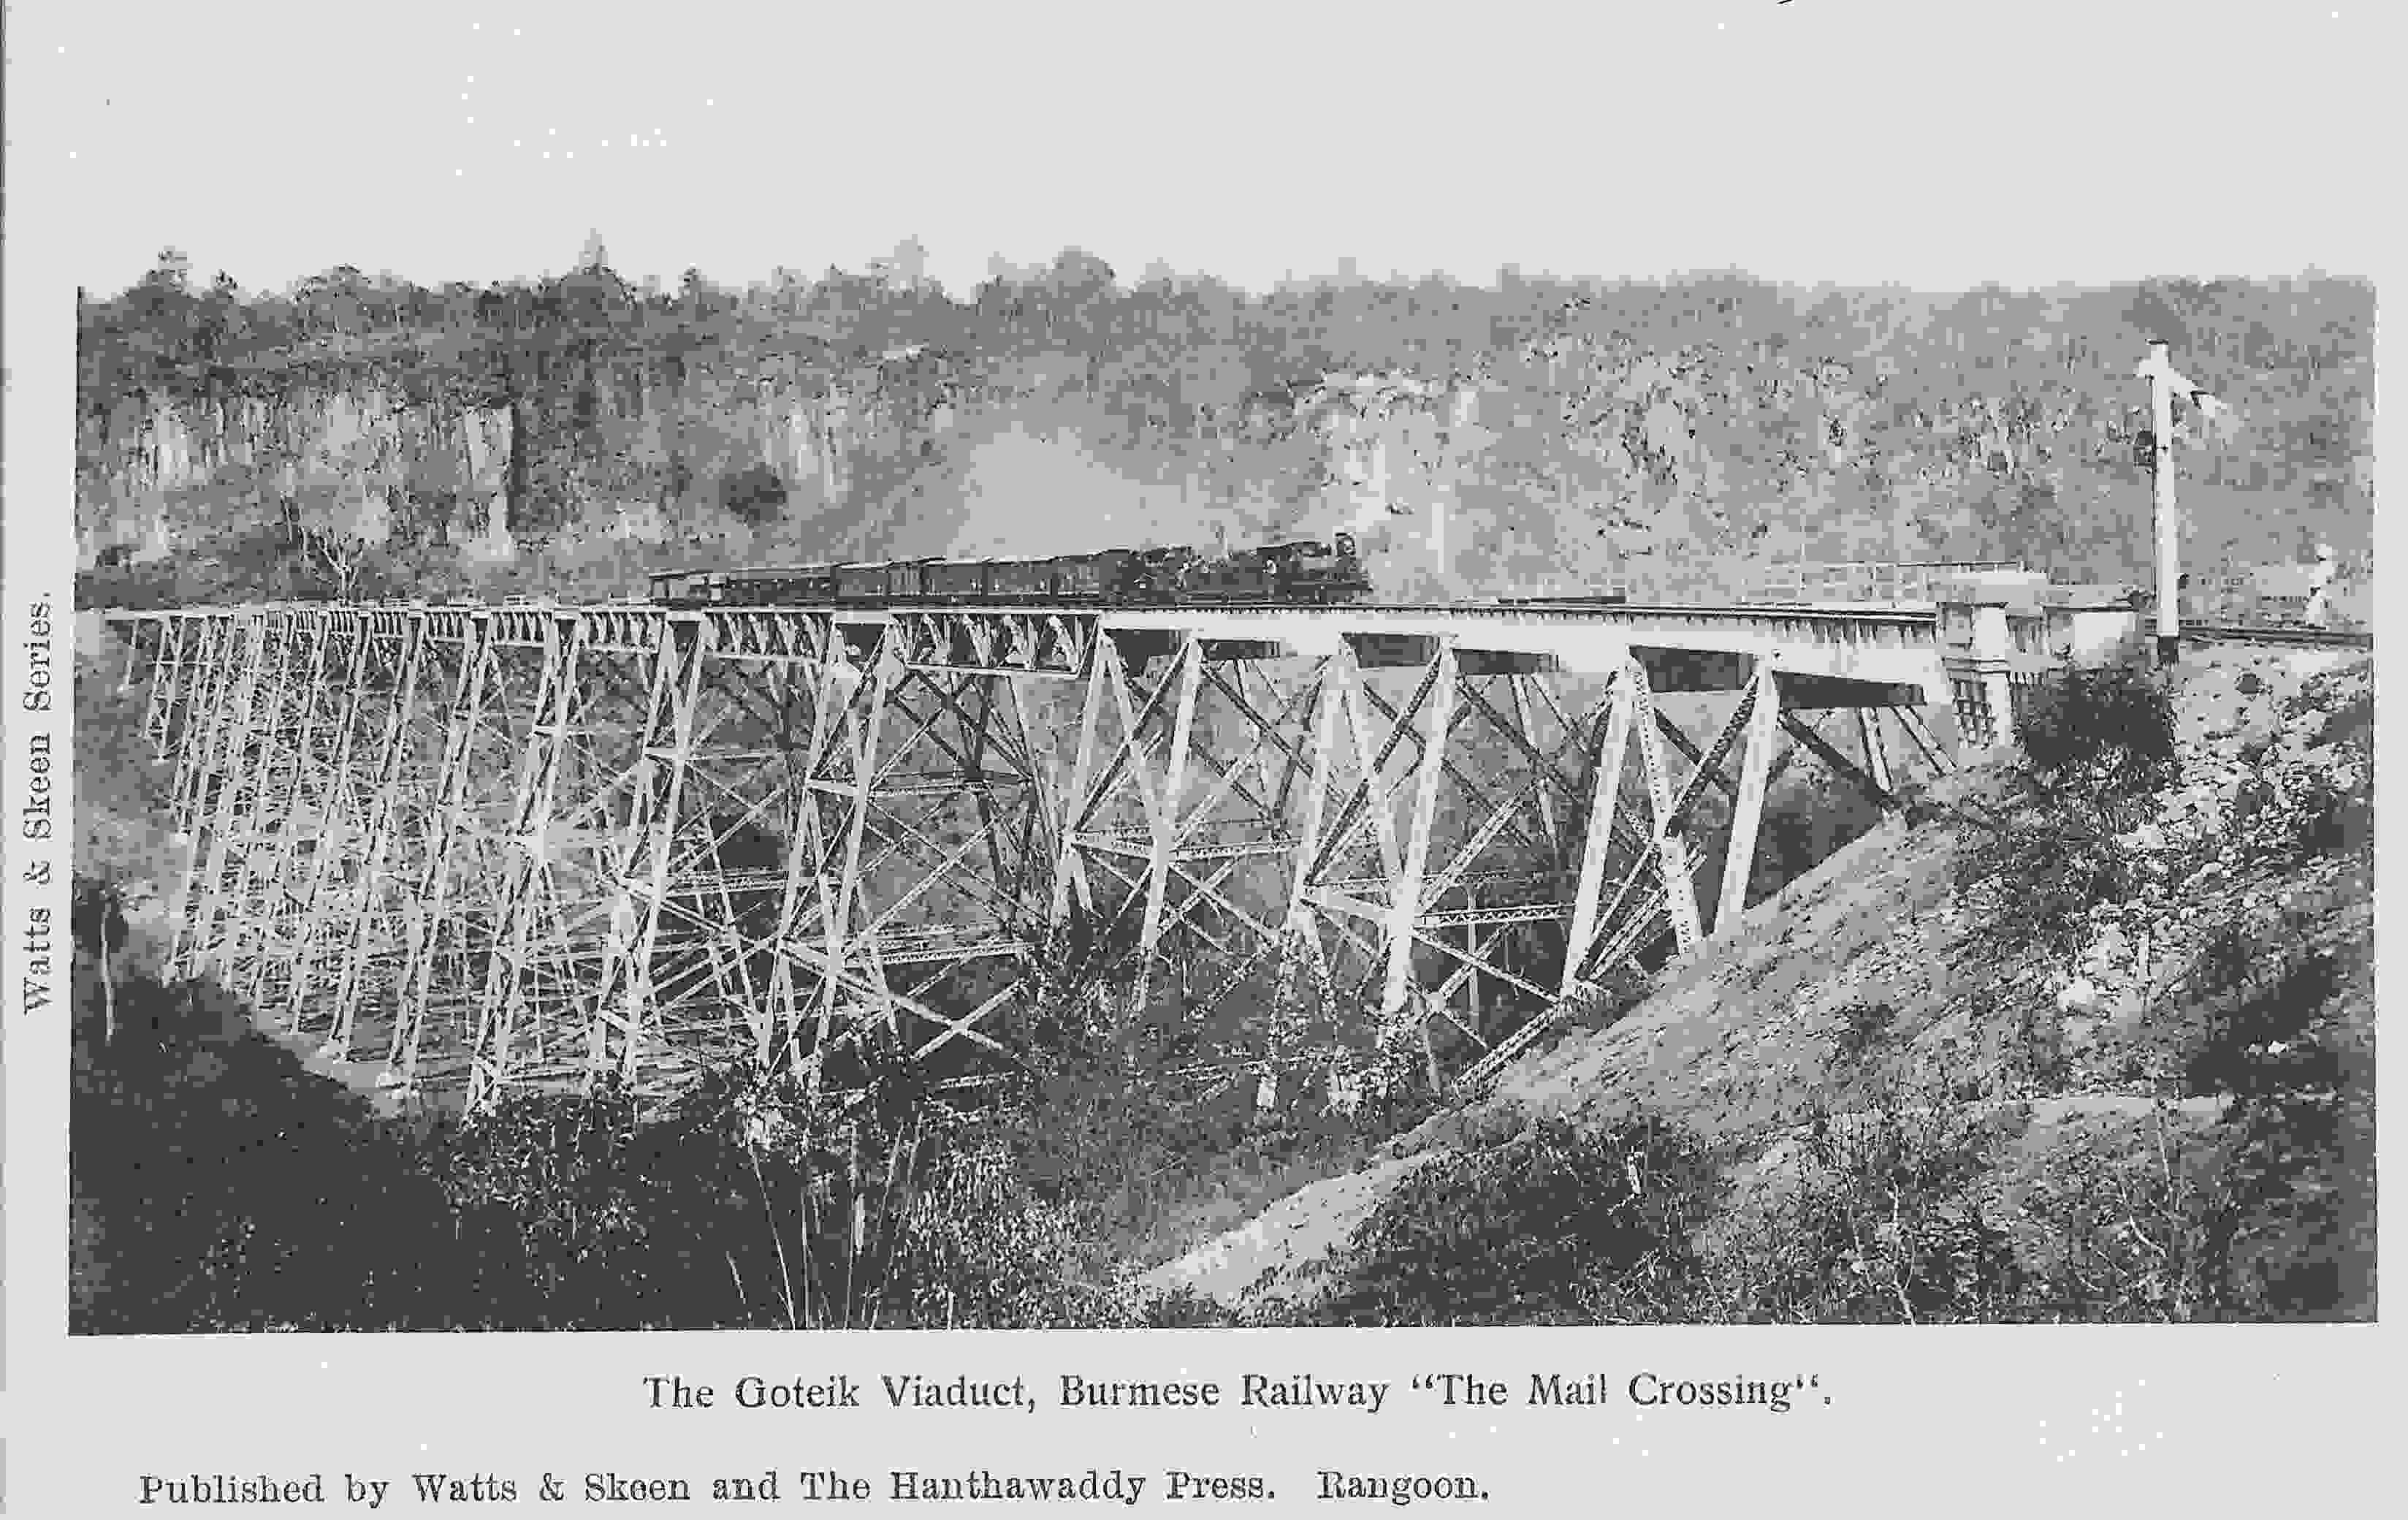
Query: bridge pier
point(509, 974)
point(227, 770)
point(338, 805)
point(363, 906)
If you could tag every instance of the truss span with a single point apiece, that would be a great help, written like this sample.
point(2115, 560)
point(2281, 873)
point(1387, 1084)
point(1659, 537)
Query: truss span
point(533, 846)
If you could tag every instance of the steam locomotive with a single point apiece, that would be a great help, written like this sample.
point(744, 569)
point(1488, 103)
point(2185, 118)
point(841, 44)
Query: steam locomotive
point(1304, 572)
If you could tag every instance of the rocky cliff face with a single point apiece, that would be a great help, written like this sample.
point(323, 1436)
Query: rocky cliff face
point(158, 474)
point(142, 462)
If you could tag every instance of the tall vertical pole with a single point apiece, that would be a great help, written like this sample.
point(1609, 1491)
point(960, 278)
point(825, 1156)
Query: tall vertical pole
point(2161, 417)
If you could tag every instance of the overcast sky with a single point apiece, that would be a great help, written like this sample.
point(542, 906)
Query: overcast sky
point(1938, 143)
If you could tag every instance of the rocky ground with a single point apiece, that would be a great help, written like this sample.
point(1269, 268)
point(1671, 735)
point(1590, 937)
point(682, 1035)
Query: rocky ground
point(1884, 972)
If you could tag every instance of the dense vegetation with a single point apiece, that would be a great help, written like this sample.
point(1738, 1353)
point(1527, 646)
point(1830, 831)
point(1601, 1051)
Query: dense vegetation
point(1665, 430)
point(218, 1186)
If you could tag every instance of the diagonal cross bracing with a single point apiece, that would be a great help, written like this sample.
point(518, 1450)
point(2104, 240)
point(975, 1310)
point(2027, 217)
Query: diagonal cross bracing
point(536, 847)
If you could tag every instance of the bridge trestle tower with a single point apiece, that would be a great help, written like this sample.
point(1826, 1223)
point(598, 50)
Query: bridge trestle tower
point(538, 846)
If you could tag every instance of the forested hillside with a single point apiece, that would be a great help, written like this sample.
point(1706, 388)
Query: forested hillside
point(1672, 1155)
point(372, 437)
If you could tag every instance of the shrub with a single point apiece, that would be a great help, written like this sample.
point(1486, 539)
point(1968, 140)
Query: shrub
point(976, 1248)
point(746, 1205)
point(1862, 1027)
point(2249, 1219)
point(2257, 1022)
point(2257, 1215)
point(1915, 803)
point(2036, 1049)
point(1889, 1223)
point(1185, 1309)
point(2038, 872)
point(2285, 815)
point(754, 494)
point(2131, 1231)
point(1558, 1226)
point(2298, 1172)
point(2117, 717)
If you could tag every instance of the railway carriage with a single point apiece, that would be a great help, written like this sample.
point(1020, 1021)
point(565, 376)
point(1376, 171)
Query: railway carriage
point(949, 579)
point(1020, 579)
point(2258, 597)
point(1306, 572)
point(884, 581)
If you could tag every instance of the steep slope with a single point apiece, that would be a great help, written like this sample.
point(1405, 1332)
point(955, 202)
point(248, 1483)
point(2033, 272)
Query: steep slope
point(1883, 993)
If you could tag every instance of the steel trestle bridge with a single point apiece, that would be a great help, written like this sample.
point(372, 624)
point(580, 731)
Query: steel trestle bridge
point(531, 846)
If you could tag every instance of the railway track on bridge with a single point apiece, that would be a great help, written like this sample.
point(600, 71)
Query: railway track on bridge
point(1921, 617)
point(2280, 637)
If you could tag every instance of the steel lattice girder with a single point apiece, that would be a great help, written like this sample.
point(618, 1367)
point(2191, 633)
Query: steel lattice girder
point(532, 846)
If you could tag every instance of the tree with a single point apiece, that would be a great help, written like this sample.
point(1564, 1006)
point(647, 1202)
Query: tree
point(172, 270)
point(338, 523)
point(220, 315)
point(754, 494)
point(908, 264)
point(100, 930)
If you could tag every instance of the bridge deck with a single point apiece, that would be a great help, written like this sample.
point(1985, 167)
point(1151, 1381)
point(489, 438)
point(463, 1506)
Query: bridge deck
point(1896, 646)
point(526, 837)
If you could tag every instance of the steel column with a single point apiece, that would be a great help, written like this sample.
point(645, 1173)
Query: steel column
point(1747, 807)
point(425, 919)
point(1672, 846)
point(378, 846)
point(503, 1005)
point(1605, 790)
point(1405, 902)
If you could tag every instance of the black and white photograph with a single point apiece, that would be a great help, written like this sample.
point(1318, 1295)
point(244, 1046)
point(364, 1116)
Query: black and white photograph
point(1059, 667)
